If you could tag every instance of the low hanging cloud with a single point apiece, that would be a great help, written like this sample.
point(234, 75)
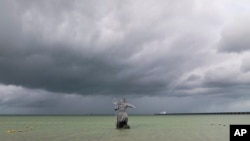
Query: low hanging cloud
point(20, 100)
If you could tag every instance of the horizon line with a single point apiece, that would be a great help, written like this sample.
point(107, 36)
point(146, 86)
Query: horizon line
point(92, 114)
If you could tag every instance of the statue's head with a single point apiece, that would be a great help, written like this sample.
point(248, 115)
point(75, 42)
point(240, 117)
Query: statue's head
point(123, 100)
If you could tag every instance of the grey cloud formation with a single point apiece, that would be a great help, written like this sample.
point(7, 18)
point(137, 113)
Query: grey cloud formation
point(245, 64)
point(171, 50)
point(235, 36)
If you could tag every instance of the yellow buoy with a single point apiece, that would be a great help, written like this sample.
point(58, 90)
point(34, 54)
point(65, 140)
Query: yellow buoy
point(11, 131)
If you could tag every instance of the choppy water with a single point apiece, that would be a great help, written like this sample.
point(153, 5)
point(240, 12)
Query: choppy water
point(102, 128)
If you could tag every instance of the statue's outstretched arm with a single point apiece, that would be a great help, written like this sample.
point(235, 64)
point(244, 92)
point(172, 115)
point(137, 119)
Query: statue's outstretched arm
point(130, 105)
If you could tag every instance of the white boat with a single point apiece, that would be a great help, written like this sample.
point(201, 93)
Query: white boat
point(163, 112)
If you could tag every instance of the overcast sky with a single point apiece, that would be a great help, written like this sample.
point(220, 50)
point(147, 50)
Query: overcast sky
point(74, 56)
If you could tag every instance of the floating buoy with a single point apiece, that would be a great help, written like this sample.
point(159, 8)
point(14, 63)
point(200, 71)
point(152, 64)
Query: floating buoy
point(25, 129)
point(11, 131)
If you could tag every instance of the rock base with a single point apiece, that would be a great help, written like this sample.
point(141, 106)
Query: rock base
point(122, 125)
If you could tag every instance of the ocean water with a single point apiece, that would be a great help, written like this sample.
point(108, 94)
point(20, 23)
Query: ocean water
point(102, 128)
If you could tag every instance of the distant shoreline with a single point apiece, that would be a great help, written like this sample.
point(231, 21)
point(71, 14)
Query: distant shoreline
point(157, 114)
point(212, 113)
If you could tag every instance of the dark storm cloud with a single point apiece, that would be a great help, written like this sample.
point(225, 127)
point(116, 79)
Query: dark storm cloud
point(32, 56)
point(90, 48)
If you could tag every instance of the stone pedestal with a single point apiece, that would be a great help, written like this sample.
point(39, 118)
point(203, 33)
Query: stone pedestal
point(122, 125)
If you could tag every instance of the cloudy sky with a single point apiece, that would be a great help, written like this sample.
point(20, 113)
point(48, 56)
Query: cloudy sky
point(74, 56)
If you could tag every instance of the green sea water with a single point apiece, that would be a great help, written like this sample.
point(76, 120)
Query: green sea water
point(102, 128)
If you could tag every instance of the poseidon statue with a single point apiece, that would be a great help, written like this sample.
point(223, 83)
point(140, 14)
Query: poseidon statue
point(122, 116)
